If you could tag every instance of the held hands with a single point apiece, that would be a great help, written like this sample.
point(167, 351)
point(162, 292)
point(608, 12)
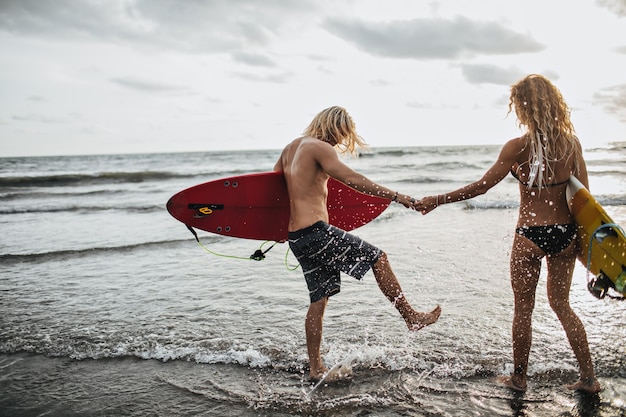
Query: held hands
point(406, 200)
point(426, 204)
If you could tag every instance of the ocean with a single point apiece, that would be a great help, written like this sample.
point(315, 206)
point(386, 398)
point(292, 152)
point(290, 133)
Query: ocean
point(108, 307)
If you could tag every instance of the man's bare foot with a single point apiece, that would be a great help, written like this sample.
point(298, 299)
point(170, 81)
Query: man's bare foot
point(508, 382)
point(591, 386)
point(336, 373)
point(418, 321)
point(317, 375)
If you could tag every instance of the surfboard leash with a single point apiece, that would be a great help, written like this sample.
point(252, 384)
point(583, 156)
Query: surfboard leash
point(598, 286)
point(258, 255)
point(289, 267)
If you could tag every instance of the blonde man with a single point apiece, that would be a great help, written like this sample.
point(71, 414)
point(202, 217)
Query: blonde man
point(323, 250)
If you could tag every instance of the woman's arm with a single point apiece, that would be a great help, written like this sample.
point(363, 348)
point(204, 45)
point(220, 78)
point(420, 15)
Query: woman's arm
point(498, 171)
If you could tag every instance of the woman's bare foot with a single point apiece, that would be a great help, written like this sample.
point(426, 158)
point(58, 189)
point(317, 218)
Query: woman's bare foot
point(508, 382)
point(591, 386)
point(418, 321)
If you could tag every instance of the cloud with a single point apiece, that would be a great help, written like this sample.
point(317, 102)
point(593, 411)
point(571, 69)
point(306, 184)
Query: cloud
point(493, 74)
point(253, 59)
point(38, 118)
point(147, 86)
point(616, 6)
point(272, 78)
point(192, 26)
point(432, 38)
point(36, 98)
point(379, 82)
point(613, 99)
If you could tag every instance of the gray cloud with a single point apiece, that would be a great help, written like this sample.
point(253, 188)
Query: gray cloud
point(272, 78)
point(380, 82)
point(432, 38)
point(36, 98)
point(493, 74)
point(193, 26)
point(613, 99)
point(616, 6)
point(38, 118)
point(253, 59)
point(143, 85)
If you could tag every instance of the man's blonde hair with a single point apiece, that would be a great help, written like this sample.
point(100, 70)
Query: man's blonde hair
point(335, 126)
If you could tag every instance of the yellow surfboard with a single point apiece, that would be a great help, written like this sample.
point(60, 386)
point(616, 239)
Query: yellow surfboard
point(602, 241)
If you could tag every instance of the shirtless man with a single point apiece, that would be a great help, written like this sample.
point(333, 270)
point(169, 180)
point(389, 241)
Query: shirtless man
point(323, 250)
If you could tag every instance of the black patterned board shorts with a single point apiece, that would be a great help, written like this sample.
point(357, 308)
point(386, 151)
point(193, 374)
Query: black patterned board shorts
point(324, 251)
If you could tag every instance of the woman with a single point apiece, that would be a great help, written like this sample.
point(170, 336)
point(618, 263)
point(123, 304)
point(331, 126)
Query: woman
point(542, 160)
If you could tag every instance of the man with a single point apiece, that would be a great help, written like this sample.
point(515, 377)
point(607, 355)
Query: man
point(324, 250)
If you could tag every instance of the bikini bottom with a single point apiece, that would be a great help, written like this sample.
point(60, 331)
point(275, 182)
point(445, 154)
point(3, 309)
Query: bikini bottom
point(551, 239)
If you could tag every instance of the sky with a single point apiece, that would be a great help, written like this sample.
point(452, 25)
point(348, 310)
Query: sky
point(137, 76)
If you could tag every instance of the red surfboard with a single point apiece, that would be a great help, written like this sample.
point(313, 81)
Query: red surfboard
point(256, 206)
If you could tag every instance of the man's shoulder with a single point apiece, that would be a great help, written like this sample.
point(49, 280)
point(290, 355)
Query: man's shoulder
point(311, 144)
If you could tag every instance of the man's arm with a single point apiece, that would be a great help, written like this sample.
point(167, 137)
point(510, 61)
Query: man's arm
point(278, 166)
point(327, 157)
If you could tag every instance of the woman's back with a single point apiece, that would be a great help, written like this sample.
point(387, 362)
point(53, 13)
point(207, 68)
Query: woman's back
point(542, 190)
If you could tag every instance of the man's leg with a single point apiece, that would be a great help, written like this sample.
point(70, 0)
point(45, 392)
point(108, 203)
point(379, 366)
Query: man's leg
point(313, 327)
point(390, 287)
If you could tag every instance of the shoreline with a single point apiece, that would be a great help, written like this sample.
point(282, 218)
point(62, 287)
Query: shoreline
point(36, 385)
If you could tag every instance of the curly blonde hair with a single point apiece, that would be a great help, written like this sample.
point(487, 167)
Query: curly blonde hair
point(335, 126)
point(542, 111)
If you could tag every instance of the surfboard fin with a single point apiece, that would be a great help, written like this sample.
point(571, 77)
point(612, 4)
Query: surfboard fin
point(599, 285)
point(193, 232)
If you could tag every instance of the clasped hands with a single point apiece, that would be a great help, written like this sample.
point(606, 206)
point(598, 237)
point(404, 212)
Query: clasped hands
point(425, 205)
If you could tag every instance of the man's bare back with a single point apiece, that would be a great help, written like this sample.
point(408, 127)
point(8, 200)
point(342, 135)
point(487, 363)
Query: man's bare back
point(307, 164)
point(306, 182)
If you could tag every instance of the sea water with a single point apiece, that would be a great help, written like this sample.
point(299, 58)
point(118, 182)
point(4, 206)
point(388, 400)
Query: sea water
point(108, 307)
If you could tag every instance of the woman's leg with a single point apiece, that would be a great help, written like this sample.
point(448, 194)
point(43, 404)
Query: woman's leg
point(525, 267)
point(560, 270)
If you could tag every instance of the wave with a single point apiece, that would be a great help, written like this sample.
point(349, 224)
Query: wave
point(611, 146)
point(490, 205)
point(604, 200)
point(16, 196)
point(433, 150)
point(74, 179)
point(73, 253)
point(81, 209)
point(611, 200)
point(603, 172)
point(451, 166)
point(455, 365)
point(63, 180)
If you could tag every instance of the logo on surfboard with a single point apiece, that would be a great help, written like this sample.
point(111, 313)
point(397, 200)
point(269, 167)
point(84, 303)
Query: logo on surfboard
point(203, 210)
